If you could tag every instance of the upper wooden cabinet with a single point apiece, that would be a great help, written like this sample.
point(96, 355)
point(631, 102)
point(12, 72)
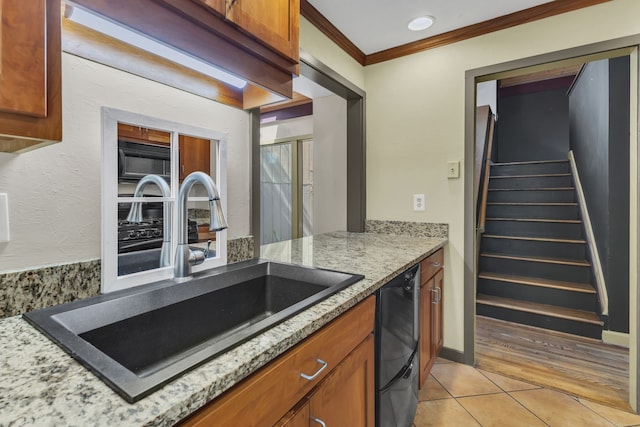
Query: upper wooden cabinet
point(238, 38)
point(30, 74)
point(276, 22)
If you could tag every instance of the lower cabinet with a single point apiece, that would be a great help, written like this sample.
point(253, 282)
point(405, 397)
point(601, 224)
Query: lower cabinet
point(431, 312)
point(345, 397)
point(328, 378)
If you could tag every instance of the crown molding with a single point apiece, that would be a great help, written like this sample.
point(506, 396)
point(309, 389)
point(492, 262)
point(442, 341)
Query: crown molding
point(328, 29)
point(542, 11)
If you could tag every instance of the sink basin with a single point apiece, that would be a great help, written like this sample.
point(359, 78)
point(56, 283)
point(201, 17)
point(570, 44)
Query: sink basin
point(137, 340)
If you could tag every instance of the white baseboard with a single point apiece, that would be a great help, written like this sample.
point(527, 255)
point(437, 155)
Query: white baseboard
point(615, 338)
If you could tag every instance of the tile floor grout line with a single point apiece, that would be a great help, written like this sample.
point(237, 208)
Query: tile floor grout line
point(526, 408)
point(600, 415)
point(470, 414)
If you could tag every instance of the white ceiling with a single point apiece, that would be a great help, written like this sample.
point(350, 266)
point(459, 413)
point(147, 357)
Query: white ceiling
point(375, 25)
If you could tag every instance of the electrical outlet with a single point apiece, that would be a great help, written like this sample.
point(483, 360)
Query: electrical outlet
point(453, 169)
point(418, 202)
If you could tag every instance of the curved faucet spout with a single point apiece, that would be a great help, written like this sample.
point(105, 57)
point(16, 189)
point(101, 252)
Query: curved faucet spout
point(135, 213)
point(185, 257)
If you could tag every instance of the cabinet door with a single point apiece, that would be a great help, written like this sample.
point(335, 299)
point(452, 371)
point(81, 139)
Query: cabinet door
point(346, 397)
point(23, 74)
point(274, 22)
point(195, 155)
point(30, 74)
point(426, 352)
point(437, 330)
point(298, 418)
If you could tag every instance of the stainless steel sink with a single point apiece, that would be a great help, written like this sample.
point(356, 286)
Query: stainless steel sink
point(138, 340)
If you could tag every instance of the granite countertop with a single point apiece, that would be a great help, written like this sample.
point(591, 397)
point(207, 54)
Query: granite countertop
point(41, 385)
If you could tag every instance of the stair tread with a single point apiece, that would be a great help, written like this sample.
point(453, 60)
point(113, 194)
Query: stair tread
point(543, 309)
point(534, 189)
point(531, 162)
point(578, 263)
point(536, 281)
point(537, 239)
point(543, 175)
point(533, 203)
point(563, 221)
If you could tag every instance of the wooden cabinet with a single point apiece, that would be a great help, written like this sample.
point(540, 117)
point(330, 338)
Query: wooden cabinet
point(330, 374)
point(431, 312)
point(275, 23)
point(346, 397)
point(133, 133)
point(195, 155)
point(31, 74)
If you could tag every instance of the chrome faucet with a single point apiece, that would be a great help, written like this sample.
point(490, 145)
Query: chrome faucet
point(185, 256)
point(135, 213)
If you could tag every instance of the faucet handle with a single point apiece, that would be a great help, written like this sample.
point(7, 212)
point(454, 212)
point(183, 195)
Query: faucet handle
point(207, 249)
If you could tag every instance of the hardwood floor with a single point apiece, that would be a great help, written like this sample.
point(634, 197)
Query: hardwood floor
point(580, 366)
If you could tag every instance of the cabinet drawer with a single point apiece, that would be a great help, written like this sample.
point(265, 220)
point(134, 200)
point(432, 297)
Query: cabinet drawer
point(431, 265)
point(266, 396)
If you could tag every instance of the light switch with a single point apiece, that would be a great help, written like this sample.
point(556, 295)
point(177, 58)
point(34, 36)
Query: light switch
point(418, 202)
point(453, 169)
point(4, 217)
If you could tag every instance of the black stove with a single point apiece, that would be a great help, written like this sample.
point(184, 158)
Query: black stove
point(147, 234)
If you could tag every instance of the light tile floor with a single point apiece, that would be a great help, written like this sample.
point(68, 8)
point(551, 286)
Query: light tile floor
point(457, 395)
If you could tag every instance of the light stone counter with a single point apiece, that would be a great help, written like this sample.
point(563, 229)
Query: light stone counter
point(41, 385)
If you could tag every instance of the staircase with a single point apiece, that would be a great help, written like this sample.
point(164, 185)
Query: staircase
point(533, 266)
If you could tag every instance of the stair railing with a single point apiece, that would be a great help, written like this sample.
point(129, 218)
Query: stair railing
point(485, 125)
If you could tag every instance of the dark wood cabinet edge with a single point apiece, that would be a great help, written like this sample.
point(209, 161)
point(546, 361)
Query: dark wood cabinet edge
point(21, 133)
point(532, 14)
point(172, 22)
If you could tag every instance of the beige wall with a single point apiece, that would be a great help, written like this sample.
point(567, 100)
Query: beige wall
point(415, 123)
point(327, 52)
point(55, 193)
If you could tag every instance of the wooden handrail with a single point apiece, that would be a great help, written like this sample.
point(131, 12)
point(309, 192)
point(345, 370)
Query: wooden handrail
point(487, 174)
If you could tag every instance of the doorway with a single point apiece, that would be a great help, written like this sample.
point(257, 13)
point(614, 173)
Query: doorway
point(610, 49)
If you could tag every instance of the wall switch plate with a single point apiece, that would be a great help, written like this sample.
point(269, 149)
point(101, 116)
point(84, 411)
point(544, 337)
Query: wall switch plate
point(4, 218)
point(453, 169)
point(418, 202)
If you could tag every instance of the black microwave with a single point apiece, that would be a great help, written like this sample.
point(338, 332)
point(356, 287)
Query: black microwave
point(136, 160)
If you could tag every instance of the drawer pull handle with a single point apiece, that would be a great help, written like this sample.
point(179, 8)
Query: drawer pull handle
point(319, 421)
point(436, 264)
point(311, 377)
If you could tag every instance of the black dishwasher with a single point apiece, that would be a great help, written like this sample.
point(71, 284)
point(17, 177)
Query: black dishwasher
point(396, 344)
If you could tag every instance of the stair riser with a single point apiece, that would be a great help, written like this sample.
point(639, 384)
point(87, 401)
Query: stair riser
point(564, 272)
point(532, 196)
point(577, 251)
point(541, 321)
point(531, 169)
point(533, 182)
point(534, 229)
point(538, 294)
point(535, 211)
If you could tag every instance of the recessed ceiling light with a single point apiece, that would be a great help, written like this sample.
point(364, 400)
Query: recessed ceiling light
point(421, 23)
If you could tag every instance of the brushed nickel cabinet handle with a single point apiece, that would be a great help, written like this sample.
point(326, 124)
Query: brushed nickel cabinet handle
point(319, 421)
point(311, 377)
point(434, 292)
point(436, 264)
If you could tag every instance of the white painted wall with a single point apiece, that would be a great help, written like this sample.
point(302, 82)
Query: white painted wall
point(487, 94)
point(330, 164)
point(54, 192)
point(415, 124)
point(286, 129)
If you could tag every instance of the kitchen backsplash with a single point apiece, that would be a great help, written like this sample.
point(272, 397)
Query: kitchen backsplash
point(27, 290)
point(416, 229)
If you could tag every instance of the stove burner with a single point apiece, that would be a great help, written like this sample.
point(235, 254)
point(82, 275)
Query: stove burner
point(147, 234)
